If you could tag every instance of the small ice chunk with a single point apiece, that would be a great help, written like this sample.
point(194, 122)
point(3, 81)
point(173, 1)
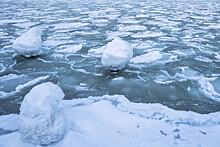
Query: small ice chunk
point(118, 79)
point(208, 89)
point(132, 28)
point(203, 59)
point(146, 34)
point(69, 25)
point(217, 56)
point(117, 54)
point(40, 122)
point(71, 49)
point(97, 52)
point(29, 44)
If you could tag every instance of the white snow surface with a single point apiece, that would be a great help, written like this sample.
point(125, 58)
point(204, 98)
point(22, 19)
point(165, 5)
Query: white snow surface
point(29, 44)
point(40, 123)
point(117, 54)
point(115, 121)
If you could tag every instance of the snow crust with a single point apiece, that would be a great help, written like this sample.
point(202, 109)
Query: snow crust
point(40, 123)
point(117, 54)
point(115, 121)
point(29, 44)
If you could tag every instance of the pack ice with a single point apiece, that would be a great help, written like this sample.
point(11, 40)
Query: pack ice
point(29, 44)
point(117, 54)
point(40, 123)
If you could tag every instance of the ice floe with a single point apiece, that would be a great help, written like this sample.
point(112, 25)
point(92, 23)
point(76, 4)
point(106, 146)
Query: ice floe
point(203, 59)
point(25, 25)
point(71, 49)
point(69, 25)
point(146, 34)
point(208, 89)
point(132, 28)
point(20, 87)
point(205, 85)
point(11, 21)
point(112, 35)
point(147, 58)
point(97, 52)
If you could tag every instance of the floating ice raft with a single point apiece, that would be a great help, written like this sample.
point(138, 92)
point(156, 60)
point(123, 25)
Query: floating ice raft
point(117, 54)
point(29, 44)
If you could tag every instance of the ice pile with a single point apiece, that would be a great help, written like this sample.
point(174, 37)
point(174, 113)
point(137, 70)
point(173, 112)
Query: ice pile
point(40, 122)
point(29, 44)
point(117, 54)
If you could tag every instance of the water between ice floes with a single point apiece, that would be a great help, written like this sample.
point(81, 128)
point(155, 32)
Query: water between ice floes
point(176, 51)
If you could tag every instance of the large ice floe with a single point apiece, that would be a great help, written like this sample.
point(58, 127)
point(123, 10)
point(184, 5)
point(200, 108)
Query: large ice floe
point(103, 121)
point(40, 123)
point(117, 54)
point(29, 44)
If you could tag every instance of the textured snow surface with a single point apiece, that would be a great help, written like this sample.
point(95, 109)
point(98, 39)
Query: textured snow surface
point(115, 121)
point(117, 54)
point(40, 122)
point(29, 44)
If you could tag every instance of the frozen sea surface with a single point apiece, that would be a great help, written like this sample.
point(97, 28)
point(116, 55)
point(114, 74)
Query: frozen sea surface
point(176, 45)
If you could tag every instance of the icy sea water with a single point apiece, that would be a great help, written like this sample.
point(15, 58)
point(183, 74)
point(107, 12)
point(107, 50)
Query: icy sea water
point(176, 51)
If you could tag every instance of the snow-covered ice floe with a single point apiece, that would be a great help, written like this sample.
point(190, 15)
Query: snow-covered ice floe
point(40, 123)
point(117, 54)
point(29, 44)
point(115, 121)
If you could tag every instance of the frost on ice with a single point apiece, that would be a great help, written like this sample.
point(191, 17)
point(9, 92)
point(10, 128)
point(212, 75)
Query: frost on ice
point(117, 54)
point(40, 123)
point(29, 44)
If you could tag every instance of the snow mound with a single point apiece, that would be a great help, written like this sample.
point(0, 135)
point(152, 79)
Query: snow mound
point(117, 54)
point(40, 123)
point(29, 44)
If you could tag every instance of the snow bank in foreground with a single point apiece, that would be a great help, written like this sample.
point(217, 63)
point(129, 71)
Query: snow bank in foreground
point(39, 120)
point(29, 44)
point(117, 54)
point(114, 121)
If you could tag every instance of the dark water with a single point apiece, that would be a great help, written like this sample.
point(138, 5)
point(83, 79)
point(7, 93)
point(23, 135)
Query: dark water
point(180, 41)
